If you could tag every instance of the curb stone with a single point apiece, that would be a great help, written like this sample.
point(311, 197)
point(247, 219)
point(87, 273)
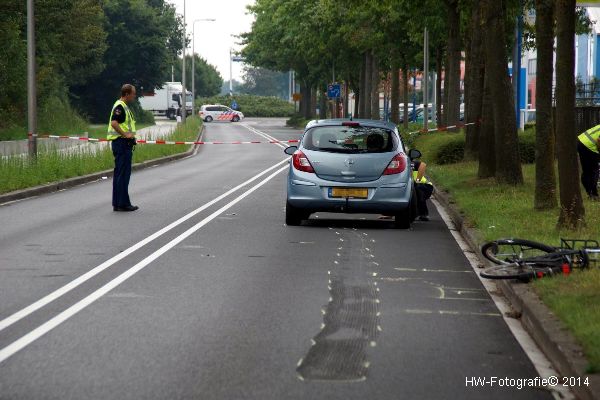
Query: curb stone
point(96, 176)
point(548, 332)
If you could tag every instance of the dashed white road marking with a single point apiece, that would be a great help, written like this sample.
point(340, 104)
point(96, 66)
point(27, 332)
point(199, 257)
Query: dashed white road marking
point(538, 359)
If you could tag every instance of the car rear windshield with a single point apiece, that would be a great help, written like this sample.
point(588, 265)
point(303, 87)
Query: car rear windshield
point(349, 139)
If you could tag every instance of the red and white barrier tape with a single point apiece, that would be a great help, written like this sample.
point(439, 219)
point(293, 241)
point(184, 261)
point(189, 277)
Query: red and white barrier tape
point(443, 128)
point(144, 141)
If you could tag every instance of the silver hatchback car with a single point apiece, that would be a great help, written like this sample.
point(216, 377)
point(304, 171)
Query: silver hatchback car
point(351, 166)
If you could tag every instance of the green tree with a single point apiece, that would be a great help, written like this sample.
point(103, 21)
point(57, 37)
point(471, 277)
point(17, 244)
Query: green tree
point(264, 82)
point(572, 212)
point(545, 177)
point(139, 34)
point(207, 79)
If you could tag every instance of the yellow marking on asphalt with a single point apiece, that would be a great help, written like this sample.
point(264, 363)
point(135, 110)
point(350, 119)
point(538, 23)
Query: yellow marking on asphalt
point(432, 270)
point(451, 312)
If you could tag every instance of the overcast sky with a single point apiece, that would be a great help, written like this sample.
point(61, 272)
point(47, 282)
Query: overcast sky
point(214, 39)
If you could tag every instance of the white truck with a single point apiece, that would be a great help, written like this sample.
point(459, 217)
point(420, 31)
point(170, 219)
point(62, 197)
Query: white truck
point(166, 100)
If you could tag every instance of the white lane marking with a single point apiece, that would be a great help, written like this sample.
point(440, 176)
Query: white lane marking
point(541, 364)
point(264, 135)
point(8, 321)
point(46, 327)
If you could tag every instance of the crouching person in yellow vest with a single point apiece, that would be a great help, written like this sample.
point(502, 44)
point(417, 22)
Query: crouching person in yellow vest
point(587, 147)
point(121, 134)
point(423, 187)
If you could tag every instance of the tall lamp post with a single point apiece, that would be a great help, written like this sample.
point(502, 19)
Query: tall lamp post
point(183, 107)
point(31, 82)
point(194, 58)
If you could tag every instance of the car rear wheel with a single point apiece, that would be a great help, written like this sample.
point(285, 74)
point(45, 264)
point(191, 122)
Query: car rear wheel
point(208, 119)
point(293, 215)
point(235, 118)
point(403, 219)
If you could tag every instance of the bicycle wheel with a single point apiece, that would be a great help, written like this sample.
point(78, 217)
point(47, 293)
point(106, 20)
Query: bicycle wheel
point(508, 251)
point(509, 271)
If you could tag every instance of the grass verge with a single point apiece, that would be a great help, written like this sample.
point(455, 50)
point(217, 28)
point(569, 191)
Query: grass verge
point(498, 211)
point(19, 172)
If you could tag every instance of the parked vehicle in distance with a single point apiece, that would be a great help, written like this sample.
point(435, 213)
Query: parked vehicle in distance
point(351, 166)
point(166, 100)
point(219, 112)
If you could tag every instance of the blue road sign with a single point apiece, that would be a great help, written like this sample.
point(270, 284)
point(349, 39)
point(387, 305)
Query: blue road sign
point(334, 91)
point(234, 105)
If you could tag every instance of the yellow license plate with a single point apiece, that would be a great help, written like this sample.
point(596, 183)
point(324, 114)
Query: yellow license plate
point(350, 192)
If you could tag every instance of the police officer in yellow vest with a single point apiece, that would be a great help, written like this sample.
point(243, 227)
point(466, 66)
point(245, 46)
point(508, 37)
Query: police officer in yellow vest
point(587, 147)
point(121, 134)
point(423, 187)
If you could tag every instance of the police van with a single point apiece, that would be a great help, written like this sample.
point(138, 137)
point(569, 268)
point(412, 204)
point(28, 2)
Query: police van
point(218, 112)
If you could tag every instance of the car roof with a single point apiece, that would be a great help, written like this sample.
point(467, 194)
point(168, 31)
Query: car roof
point(213, 105)
point(339, 121)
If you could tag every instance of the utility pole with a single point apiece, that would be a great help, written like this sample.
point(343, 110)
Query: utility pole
point(426, 79)
point(183, 91)
point(516, 66)
point(230, 73)
point(31, 82)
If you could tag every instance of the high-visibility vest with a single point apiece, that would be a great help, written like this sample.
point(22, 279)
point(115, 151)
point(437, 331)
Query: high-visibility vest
point(590, 137)
point(127, 126)
point(423, 179)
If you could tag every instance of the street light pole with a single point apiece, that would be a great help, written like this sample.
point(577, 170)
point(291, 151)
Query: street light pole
point(31, 82)
point(230, 73)
point(183, 91)
point(193, 60)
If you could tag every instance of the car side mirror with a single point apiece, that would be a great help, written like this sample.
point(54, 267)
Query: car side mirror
point(290, 150)
point(414, 153)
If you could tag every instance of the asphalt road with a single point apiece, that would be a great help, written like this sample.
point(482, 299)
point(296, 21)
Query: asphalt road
point(232, 304)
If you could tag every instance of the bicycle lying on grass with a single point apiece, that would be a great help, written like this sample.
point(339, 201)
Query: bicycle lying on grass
point(525, 260)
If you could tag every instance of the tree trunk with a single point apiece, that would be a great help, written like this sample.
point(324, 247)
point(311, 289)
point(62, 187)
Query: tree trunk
point(453, 56)
point(362, 88)
point(346, 111)
point(303, 99)
point(487, 148)
point(405, 95)
point(508, 160)
point(439, 112)
point(357, 100)
point(375, 80)
point(368, 84)
point(322, 103)
point(474, 75)
point(395, 95)
point(545, 177)
point(572, 212)
point(313, 102)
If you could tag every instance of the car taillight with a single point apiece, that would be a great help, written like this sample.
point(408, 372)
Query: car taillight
point(397, 165)
point(301, 163)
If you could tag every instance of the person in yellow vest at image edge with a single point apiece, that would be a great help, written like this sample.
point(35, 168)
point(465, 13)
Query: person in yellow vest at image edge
point(423, 187)
point(121, 134)
point(587, 146)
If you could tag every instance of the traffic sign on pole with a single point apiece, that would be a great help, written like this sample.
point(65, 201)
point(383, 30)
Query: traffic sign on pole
point(334, 91)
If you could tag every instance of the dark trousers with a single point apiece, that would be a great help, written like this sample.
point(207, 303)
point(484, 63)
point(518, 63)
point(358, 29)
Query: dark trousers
point(123, 153)
point(424, 192)
point(589, 169)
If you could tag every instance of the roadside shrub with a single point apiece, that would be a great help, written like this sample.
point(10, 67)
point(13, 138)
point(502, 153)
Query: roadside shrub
point(448, 148)
point(527, 146)
point(451, 152)
point(253, 106)
point(142, 116)
point(297, 121)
